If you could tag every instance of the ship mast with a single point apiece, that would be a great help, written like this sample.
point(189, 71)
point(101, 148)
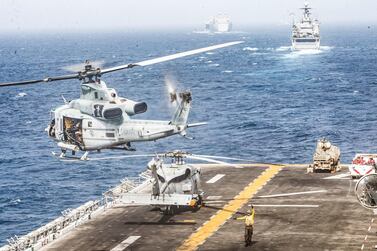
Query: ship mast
point(306, 11)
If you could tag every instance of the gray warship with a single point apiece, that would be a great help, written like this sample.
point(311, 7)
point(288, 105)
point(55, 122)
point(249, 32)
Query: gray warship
point(305, 33)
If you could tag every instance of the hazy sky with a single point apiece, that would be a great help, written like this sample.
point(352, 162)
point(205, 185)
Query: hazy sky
point(78, 15)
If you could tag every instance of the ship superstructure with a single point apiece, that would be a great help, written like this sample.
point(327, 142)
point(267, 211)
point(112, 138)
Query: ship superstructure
point(219, 23)
point(305, 33)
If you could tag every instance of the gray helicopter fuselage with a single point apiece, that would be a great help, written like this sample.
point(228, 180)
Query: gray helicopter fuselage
point(101, 119)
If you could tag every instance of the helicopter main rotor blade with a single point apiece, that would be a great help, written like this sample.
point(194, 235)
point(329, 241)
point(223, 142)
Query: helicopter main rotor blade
point(123, 157)
point(98, 72)
point(237, 159)
point(170, 57)
point(222, 157)
point(212, 160)
point(45, 80)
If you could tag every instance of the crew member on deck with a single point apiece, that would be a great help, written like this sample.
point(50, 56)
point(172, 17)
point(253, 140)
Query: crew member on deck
point(249, 223)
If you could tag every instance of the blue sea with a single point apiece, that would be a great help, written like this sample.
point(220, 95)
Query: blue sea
point(262, 101)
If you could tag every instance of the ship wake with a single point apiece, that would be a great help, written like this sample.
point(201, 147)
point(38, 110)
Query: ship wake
point(300, 53)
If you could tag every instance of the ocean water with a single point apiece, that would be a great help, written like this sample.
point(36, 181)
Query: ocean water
point(262, 101)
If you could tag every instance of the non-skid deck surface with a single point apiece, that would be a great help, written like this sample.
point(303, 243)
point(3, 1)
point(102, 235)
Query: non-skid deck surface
point(294, 211)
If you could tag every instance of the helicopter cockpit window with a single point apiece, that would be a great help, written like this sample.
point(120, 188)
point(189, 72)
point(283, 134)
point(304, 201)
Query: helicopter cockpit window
point(51, 128)
point(85, 89)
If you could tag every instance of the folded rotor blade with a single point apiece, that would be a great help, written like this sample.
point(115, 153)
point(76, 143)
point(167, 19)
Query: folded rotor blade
point(48, 79)
point(170, 57)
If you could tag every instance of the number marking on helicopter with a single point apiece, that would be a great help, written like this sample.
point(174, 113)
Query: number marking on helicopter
point(217, 220)
point(217, 177)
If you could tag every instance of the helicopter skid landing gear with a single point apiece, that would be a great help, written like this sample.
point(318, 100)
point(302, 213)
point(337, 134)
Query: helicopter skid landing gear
point(124, 147)
point(63, 155)
point(84, 156)
point(128, 147)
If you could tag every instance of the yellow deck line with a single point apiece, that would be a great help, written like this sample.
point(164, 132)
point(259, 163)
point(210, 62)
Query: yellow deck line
point(211, 226)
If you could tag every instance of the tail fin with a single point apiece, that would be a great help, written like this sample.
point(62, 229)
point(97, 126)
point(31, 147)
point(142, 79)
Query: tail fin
point(183, 109)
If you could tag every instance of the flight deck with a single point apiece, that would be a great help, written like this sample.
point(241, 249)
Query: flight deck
point(293, 211)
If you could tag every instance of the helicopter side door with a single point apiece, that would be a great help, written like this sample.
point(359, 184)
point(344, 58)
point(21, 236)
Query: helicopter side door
point(72, 131)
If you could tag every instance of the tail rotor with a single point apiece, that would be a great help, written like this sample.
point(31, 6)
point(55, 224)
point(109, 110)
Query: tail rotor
point(171, 85)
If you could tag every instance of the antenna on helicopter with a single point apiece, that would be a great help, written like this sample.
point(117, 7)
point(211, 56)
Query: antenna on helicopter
point(64, 100)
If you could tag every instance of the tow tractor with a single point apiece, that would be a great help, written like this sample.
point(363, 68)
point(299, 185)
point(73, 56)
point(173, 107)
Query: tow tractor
point(325, 158)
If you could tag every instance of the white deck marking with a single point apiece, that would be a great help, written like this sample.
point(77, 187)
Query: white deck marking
point(366, 236)
point(214, 202)
point(126, 243)
point(215, 178)
point(289, 194)
point(341, 176)
point(290, 205)
point(214, 197)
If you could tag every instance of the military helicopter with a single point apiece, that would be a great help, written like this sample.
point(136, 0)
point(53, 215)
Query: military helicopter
point(175, 183)
point(100, 119)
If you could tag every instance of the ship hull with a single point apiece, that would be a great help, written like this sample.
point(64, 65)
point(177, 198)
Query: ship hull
point(305, 44)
